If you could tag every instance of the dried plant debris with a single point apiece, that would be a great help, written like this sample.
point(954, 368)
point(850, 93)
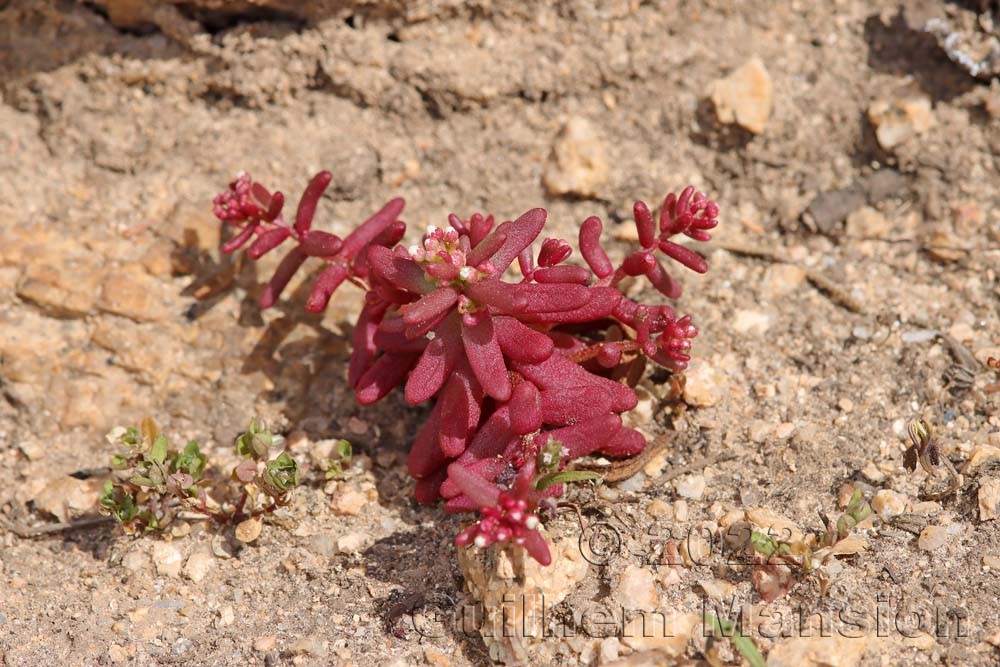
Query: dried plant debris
point(970, 37)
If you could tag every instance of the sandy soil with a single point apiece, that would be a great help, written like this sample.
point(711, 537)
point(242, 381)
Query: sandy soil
point(120, 120)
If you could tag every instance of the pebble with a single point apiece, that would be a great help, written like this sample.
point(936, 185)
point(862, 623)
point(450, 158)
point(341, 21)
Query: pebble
point(992, 562)
point(704, 385)
point(309, 646)
point(751, 322)
point(932, 538)
point(872, 473)
point(834, 650)
point(578, 164)
point(888, 503)
point(867, 223)
point(348, 501)
point(226, 616)
point(681, 510)
point(759, 430)
point(665, 633)
point(133, 293)
point(980, 455)
point(989, 499)
point(690, 486)
point(659, 509)
point(436, 658)
point(167, 558)
point(637, 589)
point(66, 497)
point(352, 542)
point(897, 120)
point(782, 279)
point(198, 565)
point(135, 560)
point(784, 430)
point(918, 335)
point(744, 97)
point(265, 644)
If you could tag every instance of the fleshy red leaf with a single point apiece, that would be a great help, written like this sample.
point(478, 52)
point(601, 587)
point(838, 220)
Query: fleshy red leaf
point(521, 342)
point(481, 491)
point(371, 228)
point(484, 355)
point(519, 235)
point(267, 242)
point(685, 256)
point(436, 363)
point(310, 199)
point(286, 269)
point(327, 283)
point(387, 371)
point(562, 274)
point(525, 409)
point(590, 247)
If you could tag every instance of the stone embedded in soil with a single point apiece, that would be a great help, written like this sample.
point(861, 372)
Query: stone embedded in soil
point(349, 501)
point(578, 164)
point(899, 119)
point(637, 589)
point(663, 633)
point(888, 503)
point(867, 223)
point(980, 455)
point(167, 559)
point(744, 97)
point(352, 543)
point(932, 538)
point(61, 286)
point(818, 651)
point(989, 499)
point(199, 565)
point(499, 574)
point(751, 322)
point(782, 279)
point(66, 497)
point(133, 293)
point(690, 486)
point(704, 385)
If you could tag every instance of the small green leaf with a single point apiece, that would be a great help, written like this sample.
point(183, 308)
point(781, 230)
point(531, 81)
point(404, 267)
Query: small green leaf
point(343, 450)
point(159, 451)
point(281, 475)
point(566, 476)
point(255, 442)
point(119, 462)
point(191, 460)
point(763, 544)
point(745, 646)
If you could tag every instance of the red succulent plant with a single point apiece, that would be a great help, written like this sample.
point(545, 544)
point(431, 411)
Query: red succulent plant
point(510, 362)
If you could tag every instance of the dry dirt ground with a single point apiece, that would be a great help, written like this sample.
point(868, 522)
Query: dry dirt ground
point(120, 120)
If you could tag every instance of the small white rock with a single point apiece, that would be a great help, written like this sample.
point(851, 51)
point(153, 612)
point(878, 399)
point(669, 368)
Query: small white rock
point(704, 385)
point(168, 559)
point(989, 499)
point(751, 322)
point(690, 486)
point(888, 503)
point(637, 589)
point(744, 97)
point(932, 538)
point(198, 565)
point(351, 543)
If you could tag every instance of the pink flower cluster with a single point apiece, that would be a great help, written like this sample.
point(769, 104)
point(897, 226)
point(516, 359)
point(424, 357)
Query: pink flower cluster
point(510, 363)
